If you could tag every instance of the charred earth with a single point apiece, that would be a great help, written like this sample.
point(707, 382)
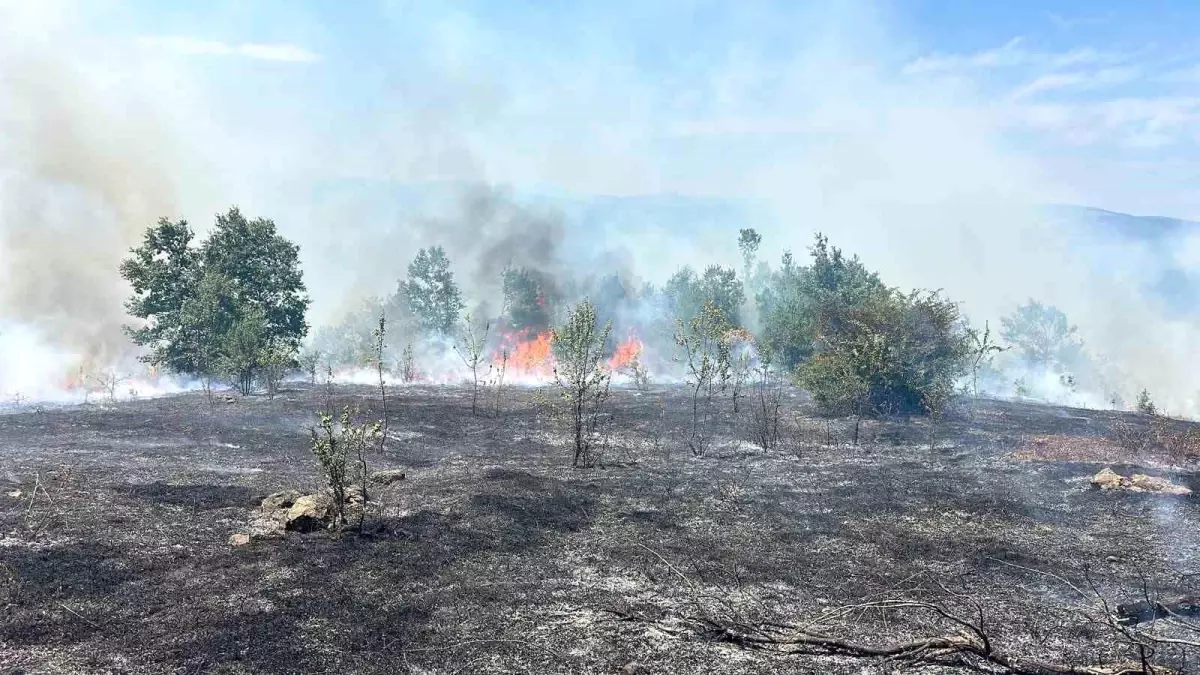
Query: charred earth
point(977, 543)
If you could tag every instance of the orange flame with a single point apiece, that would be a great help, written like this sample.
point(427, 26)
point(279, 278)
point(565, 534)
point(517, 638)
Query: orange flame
point(626, 353)
point(528, 353)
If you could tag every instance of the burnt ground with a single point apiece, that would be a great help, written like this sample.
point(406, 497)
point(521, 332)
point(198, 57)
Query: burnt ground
point(494, 555)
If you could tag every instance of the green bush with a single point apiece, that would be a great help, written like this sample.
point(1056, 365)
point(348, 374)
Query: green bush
point(857, 345)
point(891, 353)
point(579, 353)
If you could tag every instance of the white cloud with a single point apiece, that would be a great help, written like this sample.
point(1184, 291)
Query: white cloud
point(1078, 81)
point(1011, 54)
point(189, 46)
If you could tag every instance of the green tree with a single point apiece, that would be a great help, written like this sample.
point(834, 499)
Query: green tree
point(163, 272)
point(795, 303)
point(687, 293)
point(264, 268)
point(244, 347)
point(243, 278)
point(526, 300)
point(205, 318)
point(1042, 336)
point(703, 341)
point(431, 292)
point(891, 352)
point(748, 242)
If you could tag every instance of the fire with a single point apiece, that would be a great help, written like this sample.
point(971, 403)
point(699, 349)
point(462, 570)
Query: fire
point(528, 353)
point(626, 353)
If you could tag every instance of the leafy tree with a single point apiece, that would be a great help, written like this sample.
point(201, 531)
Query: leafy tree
point(1042, 336)
point(687, 293)
point(243, 348)
point(206, 317)
point(431, 292)
point(471, 347)
point(748, 242)
point(579, 354)
point(202, 306)
point(265, 270)
point(1145, 404)
point(982, 349)
point(163, 272)
point(526, 298)
point(892, 352)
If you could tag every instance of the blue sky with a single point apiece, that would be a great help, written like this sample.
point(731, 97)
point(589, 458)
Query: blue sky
point(1096, 99)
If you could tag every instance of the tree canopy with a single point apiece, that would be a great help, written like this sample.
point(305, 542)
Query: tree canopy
point(431, 292)
point(202, 308)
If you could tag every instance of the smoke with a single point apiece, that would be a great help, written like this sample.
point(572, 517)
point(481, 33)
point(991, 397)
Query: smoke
point(395, 129)
point(82, 172)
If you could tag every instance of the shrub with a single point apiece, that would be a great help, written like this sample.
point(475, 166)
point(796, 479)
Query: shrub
point(340, 447)
point(578, 347)
point(686, 294)
point(795, 303)
point(892, 352)
point(766, 399)
point(705, 348)
point(1145, 404)
point(470, 344)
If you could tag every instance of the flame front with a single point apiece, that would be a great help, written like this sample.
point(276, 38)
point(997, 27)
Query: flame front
point(528, 353)
point(625, 354)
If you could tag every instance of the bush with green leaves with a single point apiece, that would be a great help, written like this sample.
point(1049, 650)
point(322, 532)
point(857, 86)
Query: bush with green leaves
point(1145, 404)
point(528, 300)
point(341, 446)
point(471, 346)
point(796, 302)
point(704, 344)
point(890, 353)
point(1042, 336)
point(579, 354)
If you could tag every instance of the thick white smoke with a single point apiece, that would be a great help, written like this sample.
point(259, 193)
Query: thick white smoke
point(808, 114)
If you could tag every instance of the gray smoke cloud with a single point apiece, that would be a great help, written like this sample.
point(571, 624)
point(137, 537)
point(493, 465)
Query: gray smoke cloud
point(914, 173)
point(82, 173)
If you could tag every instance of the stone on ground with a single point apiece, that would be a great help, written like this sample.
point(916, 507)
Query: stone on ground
point(1107, 479)
point(387, 476)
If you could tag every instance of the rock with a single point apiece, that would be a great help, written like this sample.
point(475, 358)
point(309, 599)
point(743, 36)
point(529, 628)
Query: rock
point(239, 539)
point(309, 513)
point(273, 525)
point(15, 494)
point(1112, 559)
point(387, 476)
point(280, 500)
point(634, 668)
point(1108, 479)
point(354, 495)
point(1158, 485)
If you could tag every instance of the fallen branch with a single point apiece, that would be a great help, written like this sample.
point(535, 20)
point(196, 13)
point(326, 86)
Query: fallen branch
point(1144, 611)
point(968, 648)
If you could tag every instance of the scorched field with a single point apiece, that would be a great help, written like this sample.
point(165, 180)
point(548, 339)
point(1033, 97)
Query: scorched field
point(977, 544)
